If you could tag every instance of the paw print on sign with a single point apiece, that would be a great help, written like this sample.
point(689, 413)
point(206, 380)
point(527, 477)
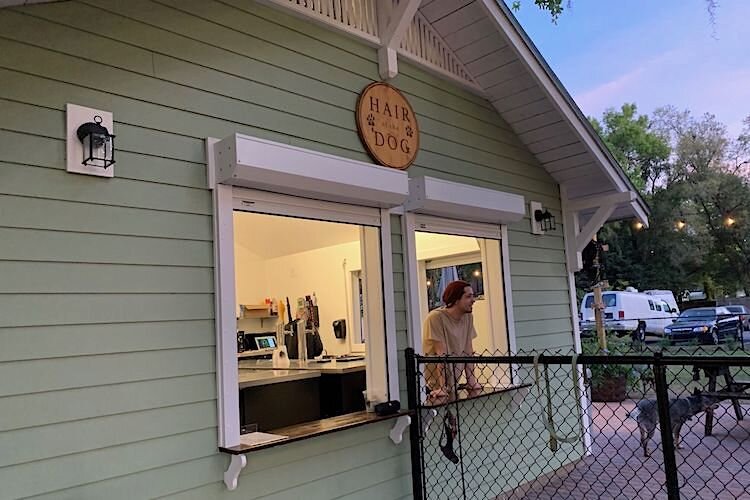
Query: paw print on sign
point(371, 120)
point(409, 131)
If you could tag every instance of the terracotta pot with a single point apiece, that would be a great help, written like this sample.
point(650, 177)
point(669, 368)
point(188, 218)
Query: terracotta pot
point(609, 389)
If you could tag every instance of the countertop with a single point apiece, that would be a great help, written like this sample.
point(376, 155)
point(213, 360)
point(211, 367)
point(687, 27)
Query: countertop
point(332, 367)
point(254, 378)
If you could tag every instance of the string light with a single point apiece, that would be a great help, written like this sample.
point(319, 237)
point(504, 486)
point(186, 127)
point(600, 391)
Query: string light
point(638, 225)
point(680, 225)
point(729, 221)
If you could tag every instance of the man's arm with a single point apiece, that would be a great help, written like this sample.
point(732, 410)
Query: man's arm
point(438, 371)
point(471, 378)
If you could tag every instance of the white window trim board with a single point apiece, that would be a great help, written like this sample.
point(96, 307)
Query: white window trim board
point(226, 333)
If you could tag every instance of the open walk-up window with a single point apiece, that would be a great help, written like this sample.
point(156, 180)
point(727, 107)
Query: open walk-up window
point(447, 252)
point(304, 281)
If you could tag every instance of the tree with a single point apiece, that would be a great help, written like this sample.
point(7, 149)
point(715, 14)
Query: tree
point(555, 7)
point(739, 152)
point(700, 146)
point(690, 172)
point(642, 153)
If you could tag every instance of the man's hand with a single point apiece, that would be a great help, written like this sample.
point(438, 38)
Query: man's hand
point(473, 386)
point(438, 393)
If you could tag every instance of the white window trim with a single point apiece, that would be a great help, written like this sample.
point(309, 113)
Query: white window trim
point(411, 223)
point(225, 199)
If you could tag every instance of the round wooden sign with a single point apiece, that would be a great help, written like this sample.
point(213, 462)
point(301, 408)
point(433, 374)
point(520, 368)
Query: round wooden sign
point(387, 126)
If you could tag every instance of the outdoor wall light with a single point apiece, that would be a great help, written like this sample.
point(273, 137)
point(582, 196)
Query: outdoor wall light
point(545, 219)
point(90, 141)
point(98, 144)
point(541, 219)
point(638, 225)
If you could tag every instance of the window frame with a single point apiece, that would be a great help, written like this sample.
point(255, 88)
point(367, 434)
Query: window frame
point(382, 364)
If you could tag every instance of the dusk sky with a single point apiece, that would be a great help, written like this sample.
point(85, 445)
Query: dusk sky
point(653, 53)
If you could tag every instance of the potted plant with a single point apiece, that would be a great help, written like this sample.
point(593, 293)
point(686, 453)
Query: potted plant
point(609, 382)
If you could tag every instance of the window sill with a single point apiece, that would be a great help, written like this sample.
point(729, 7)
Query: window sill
point(466, 395)
point(313, 429)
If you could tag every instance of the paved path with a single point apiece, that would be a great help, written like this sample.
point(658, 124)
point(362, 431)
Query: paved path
point(711, 467)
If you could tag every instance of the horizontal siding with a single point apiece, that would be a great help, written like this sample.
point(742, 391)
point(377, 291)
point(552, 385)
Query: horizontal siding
point(31, 245)
point(88, 403)
point(106, 312)
point(75, 309)
point(26, 377)
point(85, 340)
point(66, 277)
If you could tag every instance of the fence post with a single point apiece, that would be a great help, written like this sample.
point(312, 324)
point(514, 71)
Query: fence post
point(415, 430)
point(665, 426)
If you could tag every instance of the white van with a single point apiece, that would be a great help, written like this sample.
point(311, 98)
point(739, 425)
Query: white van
point(665, 295)
point(630, 312)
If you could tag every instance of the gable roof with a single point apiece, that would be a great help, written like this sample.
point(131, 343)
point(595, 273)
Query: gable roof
point(515, 78)
point(504, 65)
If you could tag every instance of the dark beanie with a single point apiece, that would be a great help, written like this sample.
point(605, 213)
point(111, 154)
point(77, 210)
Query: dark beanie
point(453, 292)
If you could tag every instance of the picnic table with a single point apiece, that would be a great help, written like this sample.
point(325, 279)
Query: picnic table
point(734, 390)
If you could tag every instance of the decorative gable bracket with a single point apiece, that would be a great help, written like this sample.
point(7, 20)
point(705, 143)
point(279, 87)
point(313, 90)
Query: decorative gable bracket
point(392, 30)
point(577, 237)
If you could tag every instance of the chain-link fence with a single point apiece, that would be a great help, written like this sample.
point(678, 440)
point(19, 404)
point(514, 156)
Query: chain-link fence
point(619, 426)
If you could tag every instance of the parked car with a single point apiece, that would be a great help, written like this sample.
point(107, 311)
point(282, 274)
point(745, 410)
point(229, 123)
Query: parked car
point(743, 313)
point(708, 325)
point(628, 312)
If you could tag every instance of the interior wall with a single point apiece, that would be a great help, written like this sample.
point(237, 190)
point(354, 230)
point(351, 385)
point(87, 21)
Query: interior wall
point(321, 271)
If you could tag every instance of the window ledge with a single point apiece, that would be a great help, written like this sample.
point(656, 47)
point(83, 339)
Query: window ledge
point(309, 430)
point(465, 395)
point(315, 428)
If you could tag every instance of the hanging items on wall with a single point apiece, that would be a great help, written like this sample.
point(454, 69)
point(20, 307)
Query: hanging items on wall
point(387, 126)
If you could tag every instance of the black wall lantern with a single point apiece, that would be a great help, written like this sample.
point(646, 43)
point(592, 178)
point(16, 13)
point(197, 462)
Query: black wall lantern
point(98, 144)
point(545, 219)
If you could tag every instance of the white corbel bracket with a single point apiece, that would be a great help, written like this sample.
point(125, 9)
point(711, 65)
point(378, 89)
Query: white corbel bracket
point(232, 475)
point(397, 431)
point(580, 237)
point(392, 31)
point(427, 418)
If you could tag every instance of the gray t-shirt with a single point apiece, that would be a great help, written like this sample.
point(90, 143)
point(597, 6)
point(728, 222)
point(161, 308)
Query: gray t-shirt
point(455, 335)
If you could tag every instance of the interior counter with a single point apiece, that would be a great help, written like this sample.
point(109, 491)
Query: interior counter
point(332, 367)
point(257, 377)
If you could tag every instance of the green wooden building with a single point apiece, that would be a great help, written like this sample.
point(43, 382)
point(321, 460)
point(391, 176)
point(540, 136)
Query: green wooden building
point(240, 176)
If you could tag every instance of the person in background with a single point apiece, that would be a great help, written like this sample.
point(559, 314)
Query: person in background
point(450, 330)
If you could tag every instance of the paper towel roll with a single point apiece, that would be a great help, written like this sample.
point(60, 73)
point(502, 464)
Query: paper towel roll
point(280, 357)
